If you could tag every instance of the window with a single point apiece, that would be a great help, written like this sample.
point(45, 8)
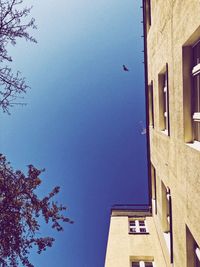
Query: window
point(196, 91)
point(164, 101)
point(191, 90)
point(167, 219)
point(148, 14)
point(193, 250)
point(151, 105)
point(142, 264)
point(132, 226)
point(137, 226)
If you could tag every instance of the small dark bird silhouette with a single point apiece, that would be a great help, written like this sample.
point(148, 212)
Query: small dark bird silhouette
point(125, 68)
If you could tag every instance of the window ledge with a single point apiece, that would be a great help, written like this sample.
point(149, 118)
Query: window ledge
point(195, 145)
point(196, 116)
point(196, 69)
point(142, 233)
point(165, 132)
point(167, 240)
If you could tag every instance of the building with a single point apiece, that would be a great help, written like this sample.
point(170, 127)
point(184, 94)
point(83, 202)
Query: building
point(167, 232)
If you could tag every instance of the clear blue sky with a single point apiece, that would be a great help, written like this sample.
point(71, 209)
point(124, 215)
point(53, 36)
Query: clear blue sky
point(82, 121)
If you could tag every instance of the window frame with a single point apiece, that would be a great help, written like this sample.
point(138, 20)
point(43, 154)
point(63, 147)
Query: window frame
point(189, 69)
point(195, 73)
point(136, 228)
point(167, 224)
point(164, 111)
point(151, 105)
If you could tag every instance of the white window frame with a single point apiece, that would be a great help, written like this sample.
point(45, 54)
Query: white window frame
point(165, 103)
point(196, 69)
point(137, 227)
point(168, 216)
point(197, 251)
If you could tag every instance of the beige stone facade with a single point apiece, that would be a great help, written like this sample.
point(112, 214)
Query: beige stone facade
point(172, 75)
point(125, 247)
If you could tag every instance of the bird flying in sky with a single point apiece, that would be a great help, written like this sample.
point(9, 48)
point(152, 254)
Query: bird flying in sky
point(125, 68)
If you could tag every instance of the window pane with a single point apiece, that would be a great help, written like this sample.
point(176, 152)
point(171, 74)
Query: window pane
point(132, 223)
point(148, 264)
point(141, 223)
point(133, 230)
point(135, 264)
point(196, 93)
point(143, 230)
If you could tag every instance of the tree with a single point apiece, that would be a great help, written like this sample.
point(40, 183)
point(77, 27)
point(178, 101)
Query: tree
point(13, 25)
point(20, 209)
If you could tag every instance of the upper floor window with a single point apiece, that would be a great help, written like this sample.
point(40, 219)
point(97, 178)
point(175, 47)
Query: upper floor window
point(143, 264)
point(137, 226)
point(151, 105)
point(191, 90)
point(148, 14)
point(164, 101)
point(196, 91)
